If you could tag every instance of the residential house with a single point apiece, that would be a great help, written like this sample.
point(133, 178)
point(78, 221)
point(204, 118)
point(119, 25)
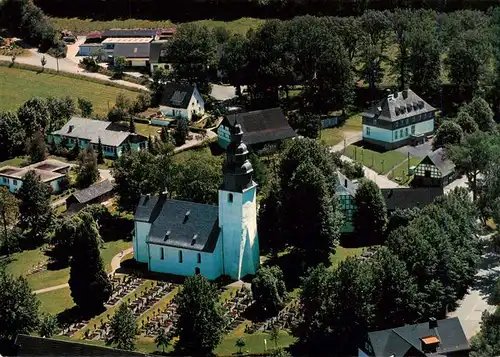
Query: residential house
point(400, 119)
point(188, 238)
point(87, 132)
point(434, 338)
point(96, 193)
point(51, 172)
point(92, 44)
point(345, 190)
point(181, 101)
point(260, 127)
point(158, 55)
point(127, 47)
point(436, 169)
point(26, 345)
point(403, 198)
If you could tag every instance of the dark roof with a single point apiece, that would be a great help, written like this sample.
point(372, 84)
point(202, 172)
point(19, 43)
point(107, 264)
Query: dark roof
point(261, 126)
point(398, 341)
point(345, 186)
point(93, 191)
point(399, 105)
point(441, 161)
point(155, 49)
point(132, 50)
point(189, 225)
point(38, 346)
point(410, 197)
point(177, 95)
point(130, 33)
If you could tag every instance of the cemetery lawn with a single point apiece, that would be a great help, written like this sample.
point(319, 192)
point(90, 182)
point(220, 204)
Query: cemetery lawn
point(56, 301)
point(333, 136)
point(20, 263)
point(254, 343)
point(383, 163)
point(342, 254)
point(19, 85)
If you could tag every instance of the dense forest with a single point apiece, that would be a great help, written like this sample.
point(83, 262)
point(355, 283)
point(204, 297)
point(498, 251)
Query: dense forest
point(189, 10)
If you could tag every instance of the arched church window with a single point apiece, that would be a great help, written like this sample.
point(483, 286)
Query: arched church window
point(199, 258)
point(180, 256)
point(230, 197)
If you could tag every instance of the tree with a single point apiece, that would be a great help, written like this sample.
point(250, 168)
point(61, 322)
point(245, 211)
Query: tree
point(122, 102)
point(480, 111)
point(275, 335)
point(152, 145)
point(18, 306)
point(34, 116)
point(100, 152)
point(312, 214)
point(13, 59)
point(197, 179)
point(269, 290)
point(34, 205)
point(131, 125)
point(48, 326)
point(87, 171)
point(234, 61)
point(260, 172)
point(401, 217)
point(159, 78)
point(37, 148)
point(119, 66)
point(201, 322)
point(88, 281)
point(9, 212)
point(466, 122)
point(59, 51)
point(448, 133)
point(468, 57)
point(116, 115)
point(486, 342)
point(473, 156)
point(43, 61)
point(181, 132)
point(61, 110)
point(123, 328)
point(162, 340)
point(192, 53)
point(240, 344)
point(306, 123)
point(64, 235)
point(280, 352)
point(12, 135)
point(164, 135)
point(86, 107)
point(370, 216)
point(75, 150)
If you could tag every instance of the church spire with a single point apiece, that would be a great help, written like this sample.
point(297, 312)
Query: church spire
point(237, 168)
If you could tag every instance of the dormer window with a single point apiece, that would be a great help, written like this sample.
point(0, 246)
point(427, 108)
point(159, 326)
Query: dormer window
point(230, 198)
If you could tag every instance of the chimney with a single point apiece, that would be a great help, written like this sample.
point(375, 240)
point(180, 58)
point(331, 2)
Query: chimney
point(70, 128)
point(432, 323)
point(345, 183)
point(405, 93)
point(193, 241)
point(186, 217)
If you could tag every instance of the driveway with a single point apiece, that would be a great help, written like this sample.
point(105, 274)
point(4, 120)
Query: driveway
point(476, 301)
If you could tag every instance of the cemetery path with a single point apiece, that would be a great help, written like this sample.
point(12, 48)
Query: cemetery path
point(115, 265)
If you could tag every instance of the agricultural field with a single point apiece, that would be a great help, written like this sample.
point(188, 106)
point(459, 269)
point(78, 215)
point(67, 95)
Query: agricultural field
point(19, 85)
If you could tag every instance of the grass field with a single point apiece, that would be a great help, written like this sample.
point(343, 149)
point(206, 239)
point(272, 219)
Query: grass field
point(19, 85)
point(56, 301)
point(81, 26)
point(379, 162)
point(254, 343)
point(342, 254)
point(333, 136)
point(22, 262)
point(400, 174)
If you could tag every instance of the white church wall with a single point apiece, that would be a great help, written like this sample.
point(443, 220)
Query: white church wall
point(140, 247)
point(230, 218)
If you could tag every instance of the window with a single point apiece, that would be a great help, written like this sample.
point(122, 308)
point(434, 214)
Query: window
point(413, 129)
point(199, 258)
point(180, 256)
point(15, 182)
point(396, 135)
point(406, 132)
point(162, 254)
point(6, 180)
point(427, 173)
point(401, 133)
point(368, 130)
point(230, 197)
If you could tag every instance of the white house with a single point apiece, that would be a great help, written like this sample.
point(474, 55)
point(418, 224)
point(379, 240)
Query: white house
point(187, 238)
point(401, 118)
point(181, 101)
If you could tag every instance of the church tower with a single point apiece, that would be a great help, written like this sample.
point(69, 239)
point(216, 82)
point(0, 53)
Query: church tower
point(238, 211)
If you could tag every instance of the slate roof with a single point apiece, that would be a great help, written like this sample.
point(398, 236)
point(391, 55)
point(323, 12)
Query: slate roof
point(396, 107)
point(261, 126)
point(132, 50)
point(399, 341)
point(189, 225)
point(91, 130)
point(154, 50)
point(177, 95)
point(345, 186)
point(38, 346)
point(410, 197)
point(93, 191)
point(441, 161)
point(130, 33)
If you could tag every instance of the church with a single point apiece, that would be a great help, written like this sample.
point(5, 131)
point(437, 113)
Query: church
point(188, 238)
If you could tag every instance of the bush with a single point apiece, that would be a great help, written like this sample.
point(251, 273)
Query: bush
point(90, 64)
point(495, 294)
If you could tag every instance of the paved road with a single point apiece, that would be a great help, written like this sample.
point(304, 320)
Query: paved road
point(115, 265)
point(68, 65)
